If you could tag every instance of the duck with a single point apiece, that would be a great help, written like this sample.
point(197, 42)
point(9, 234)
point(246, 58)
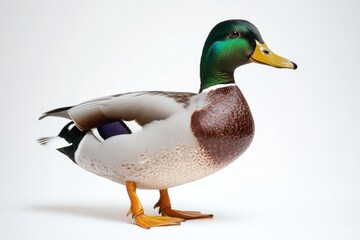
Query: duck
point(184, 136)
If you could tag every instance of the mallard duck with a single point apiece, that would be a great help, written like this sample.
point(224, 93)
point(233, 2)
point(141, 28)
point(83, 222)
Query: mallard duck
point(184, 136)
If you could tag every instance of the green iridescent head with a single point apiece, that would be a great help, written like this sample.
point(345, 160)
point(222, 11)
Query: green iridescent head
point(231, 44)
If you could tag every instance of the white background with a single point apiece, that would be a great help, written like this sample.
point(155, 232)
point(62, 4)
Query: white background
point(298, 180)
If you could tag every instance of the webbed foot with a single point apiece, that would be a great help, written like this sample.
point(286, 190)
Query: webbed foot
point(165, 209)
point(142, 219)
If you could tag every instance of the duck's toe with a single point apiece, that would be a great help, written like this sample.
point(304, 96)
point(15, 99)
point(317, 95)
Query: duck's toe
point(165, 209)
point(147, 222)
point(187, 215)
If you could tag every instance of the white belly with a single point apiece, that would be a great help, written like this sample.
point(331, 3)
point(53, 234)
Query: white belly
point(163, 155)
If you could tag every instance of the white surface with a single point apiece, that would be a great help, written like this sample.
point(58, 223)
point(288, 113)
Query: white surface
point(299, 179)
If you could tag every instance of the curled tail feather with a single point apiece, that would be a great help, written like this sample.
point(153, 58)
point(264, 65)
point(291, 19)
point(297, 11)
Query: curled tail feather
point(59, 112)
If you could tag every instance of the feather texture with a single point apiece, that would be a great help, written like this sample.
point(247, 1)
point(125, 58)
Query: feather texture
point(143, 107)
point(55, 142)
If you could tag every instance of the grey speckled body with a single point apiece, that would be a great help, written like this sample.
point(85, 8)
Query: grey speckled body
point(169, 152)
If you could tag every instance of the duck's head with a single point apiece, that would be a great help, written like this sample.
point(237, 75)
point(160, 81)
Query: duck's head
point(231, 44)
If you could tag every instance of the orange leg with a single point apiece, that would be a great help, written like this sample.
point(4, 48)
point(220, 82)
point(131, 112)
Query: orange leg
point(140, 218)
point(164, 205)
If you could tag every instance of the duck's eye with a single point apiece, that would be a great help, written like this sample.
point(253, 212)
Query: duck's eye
point(235, 34)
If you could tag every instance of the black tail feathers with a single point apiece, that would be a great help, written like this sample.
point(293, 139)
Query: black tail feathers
point(69, 138)
point(67, 141)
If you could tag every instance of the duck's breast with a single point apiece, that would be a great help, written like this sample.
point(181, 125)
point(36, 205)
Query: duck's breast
point(224, 129)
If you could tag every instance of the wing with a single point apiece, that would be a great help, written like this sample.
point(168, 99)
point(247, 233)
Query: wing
point(143, 107)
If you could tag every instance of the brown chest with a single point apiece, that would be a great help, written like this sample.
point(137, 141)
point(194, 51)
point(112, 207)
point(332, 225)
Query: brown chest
point(224, 128)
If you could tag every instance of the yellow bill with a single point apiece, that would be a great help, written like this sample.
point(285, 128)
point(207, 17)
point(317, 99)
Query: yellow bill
point(262, 54)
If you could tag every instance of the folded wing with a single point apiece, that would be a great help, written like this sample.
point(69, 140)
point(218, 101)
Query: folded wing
point(143, 107)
